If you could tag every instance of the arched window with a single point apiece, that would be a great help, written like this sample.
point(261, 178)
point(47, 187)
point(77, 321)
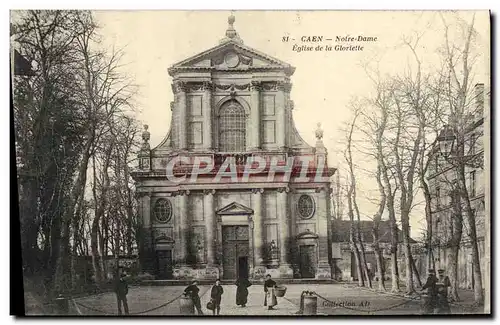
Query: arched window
point(231, 127)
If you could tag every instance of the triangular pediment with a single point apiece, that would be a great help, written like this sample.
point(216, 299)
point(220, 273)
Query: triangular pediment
point(231, 55)
point(235, 209)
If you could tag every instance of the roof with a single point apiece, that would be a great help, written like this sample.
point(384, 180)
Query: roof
point(213, 58)
point(341, 231)
point(196, 62)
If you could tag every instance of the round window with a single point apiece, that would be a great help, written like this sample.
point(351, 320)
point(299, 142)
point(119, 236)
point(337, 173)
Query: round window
point(163, 210)
point(305, 206)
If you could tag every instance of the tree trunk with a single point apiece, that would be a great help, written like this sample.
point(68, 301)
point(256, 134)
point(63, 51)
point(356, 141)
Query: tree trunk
point(379, 257)
point(410, 286)
point(394, 258)
point(351, 202)
point(102, 250)
point(471, 221)
point(76, 240)
point(416, 274)
point(394, 270)
point(78, 188)
point(362, 257)
point(28, 215)
point(452, 268)
point(376, 225)
point(95, 251)
point(357, 259)
point(428, 210)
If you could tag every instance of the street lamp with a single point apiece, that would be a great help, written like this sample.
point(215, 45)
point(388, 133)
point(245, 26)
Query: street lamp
point(446, 141)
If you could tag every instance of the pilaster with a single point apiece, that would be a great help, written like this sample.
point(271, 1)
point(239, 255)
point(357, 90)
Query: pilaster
point(255, 123)
point(257, 222)
point(183, 225)
point(146, 238)
point(283, 89)
point(207, 115)
point(284, 233)
point(209, 214)
point(180, 88)
point(324, 236)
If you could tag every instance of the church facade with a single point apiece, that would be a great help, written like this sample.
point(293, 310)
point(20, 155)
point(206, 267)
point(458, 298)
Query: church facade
point(233, 190)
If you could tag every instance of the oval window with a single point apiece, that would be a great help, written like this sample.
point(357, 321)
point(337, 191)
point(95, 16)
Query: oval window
point(305, 206)
point(163, 210)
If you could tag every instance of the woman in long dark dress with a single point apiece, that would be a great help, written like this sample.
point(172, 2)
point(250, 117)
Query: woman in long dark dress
point(242, 285)
point(270, 299)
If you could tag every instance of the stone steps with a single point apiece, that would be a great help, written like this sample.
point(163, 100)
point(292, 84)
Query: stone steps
point(226, 282)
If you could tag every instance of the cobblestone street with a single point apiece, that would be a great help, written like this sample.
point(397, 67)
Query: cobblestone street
point(341, 300)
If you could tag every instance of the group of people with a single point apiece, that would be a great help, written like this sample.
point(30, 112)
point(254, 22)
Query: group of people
point(437, 291)
point(216, 292)
point(242, 285)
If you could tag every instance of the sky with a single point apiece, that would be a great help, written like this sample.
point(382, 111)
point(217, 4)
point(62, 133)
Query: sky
point(324, 82)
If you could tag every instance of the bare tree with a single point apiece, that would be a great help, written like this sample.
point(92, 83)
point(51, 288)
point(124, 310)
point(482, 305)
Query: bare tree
point(353, 209)
point(460, 64)
point(49, 136)
point(63, 115)
point(379, 123)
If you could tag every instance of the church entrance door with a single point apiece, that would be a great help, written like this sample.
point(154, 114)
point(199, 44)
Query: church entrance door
point(307, 264)
point(164, 263)
point(235, 251)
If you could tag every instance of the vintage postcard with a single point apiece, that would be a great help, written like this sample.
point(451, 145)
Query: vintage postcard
point(252, 163)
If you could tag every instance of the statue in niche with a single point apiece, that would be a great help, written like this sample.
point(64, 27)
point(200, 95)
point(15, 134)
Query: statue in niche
point(273, 250)
point(200, 252)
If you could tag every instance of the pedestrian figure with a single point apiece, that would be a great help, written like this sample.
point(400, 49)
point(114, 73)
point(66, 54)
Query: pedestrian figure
point(430, 285)
point(216, 296)
point(242, 291)
point(121, 290)
point(443, 284)
point(270, 299)
point(193, 291)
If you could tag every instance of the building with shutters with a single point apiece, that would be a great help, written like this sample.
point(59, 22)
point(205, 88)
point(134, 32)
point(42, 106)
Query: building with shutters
point(441, 176)
point(232, 110)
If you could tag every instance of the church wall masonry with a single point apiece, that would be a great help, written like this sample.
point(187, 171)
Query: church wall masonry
point(233, 190)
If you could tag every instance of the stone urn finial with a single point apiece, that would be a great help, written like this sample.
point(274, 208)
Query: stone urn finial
point(319, 132)
point(231, 34)
point(145, 137)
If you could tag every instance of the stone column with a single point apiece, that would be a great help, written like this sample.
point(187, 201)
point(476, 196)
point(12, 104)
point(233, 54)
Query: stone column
point(284, 233)
point(147, 260)
point(180, 91)
point(257, 224)
point(183, 225)
point(255, 124)
point(209, 214)
point(207, 115)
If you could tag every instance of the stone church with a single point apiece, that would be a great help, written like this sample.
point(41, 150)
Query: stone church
point(232, 103)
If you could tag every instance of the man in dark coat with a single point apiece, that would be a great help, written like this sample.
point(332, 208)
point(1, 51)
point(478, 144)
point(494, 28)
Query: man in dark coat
point(193, 291)
point(216, 296)
point(270, 299)
point(121, 290)
point(443, 283)
point(242, 285)
point(430, 285)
